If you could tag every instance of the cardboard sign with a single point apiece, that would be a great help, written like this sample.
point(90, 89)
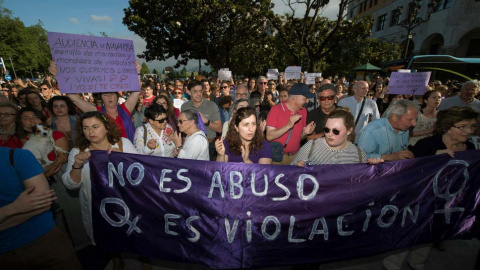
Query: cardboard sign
point(272, 74)
point(408, 83)
point(310, 78)
point(224, 75)
point(93, 64)
point(292, 73)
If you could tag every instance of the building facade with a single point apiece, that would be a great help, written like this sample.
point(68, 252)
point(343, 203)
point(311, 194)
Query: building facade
point(453, 27)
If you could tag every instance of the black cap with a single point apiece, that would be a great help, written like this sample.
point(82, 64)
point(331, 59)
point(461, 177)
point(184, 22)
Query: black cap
point(301, 89)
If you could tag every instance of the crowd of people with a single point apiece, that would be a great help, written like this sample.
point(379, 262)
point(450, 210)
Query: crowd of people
point(253, 120)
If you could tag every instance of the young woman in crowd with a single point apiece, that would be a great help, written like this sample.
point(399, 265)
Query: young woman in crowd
point(195, 145)
point(64, 118)
point(272, 87)
point(27, 119)
point(138, 114)
point(244, 142)
point(251, 85)
point(172, 112)
point(8, 136)
point(334, 148)
point(283, 96)
point(96, 132)
point(36, 101)
point(427, 117)
point(453, 128)
point(13, 94)
point(157, 139)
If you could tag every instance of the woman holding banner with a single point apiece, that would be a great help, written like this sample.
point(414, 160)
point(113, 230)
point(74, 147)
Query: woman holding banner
point(244, 141)
point(96, 132)
point(334, 148)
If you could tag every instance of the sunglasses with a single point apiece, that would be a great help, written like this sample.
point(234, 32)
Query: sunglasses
point(327, 130)
point(271, 84)
point(262, 83)
point(161, 121)
point(177, 93)
point(325, 98)
point(44, 88)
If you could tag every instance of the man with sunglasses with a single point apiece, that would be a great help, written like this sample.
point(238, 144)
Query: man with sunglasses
point(290, 115)
point(327, 100)
point(261, 93)
point(364, 110)
point(46, 90)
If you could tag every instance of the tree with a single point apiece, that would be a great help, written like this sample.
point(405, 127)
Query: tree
point(155, 71)
point(145, 69)
point(26, 46)
point(214, 30)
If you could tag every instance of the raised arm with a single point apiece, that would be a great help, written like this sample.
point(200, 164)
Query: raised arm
point(83, 105)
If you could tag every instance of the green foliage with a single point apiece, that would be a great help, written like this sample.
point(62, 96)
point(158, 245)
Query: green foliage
point(155, 71)
point(26, 46)
point(145, 69)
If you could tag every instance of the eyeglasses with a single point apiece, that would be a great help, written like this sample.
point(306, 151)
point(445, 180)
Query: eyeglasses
point(161, 121)
point(262, 82)
point(177, 93)
point(257, 106)
point(241, 94)
point(7, 114)
point(223, 87)
point(467, 128)
point(181, 121)
point(327, 130)
point(322, 98)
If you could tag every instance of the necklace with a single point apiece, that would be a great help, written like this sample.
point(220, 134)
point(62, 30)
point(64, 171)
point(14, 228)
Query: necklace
point(8, 132)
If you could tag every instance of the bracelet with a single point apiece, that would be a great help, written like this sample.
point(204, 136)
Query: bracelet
point(73, 167)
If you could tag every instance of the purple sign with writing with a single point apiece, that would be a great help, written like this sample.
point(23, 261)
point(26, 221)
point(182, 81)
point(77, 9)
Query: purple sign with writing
point(93, 64)
point(235, 215)
point(408, 83)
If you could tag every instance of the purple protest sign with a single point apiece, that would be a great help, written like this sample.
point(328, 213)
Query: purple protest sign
point(93, 64)
point(235, 215)
point(408, 83)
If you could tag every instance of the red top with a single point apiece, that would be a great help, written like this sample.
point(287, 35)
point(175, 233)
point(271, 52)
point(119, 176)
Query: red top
point(56, 135)
point(12, 142)
point(148, 101)
point(278, 117)
point(118, 120)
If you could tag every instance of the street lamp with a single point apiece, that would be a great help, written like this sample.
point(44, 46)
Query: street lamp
point(412, 20)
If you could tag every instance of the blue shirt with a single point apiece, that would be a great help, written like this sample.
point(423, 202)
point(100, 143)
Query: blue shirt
point(11, 185)
point(379, 137)
point(369, 112)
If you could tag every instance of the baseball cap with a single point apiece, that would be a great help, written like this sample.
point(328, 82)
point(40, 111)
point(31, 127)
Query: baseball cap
point(301, 89)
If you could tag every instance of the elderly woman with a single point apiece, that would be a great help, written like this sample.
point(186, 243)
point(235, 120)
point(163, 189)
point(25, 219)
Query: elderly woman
point(64, 118)
point(8, 136)
point(426, 117)
point(453, 129)
point(244, 142)
point(154, 138)
point(334, 148)
point(196, 143)
point(96, 132)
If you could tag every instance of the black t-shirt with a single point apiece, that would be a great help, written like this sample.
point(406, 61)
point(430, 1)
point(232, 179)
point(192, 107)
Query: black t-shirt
point(429, 146)
point(319, 117)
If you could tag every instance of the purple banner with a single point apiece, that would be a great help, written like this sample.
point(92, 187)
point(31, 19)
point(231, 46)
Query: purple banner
point(93, 64)
point(408, 83)
point(233, 215)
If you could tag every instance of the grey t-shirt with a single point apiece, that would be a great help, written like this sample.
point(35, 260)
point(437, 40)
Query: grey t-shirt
point(456, 101)
point(209, 109)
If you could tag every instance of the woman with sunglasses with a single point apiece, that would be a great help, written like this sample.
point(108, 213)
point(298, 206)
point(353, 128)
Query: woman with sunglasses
point(334, 148)
point(96, 132)
point(155, 136)
point(196, 143)
point(244, 142)
point(172, 112)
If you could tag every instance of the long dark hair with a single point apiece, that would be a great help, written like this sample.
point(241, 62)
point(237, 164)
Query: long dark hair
point(44, 103)
point(70, 105)
point(22, 133)
point(113, 133)
point(233, 136)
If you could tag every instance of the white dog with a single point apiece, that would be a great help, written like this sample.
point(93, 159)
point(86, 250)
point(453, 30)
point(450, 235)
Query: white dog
point(41, 143)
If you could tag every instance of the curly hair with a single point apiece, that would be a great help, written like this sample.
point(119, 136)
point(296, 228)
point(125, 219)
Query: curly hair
point(233, 136)
point(170, 108)
point(446, 119)
point(113, 133)
point(70, 105)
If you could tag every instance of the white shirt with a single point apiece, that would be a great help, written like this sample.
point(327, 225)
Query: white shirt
point(195, 147)
point(85, 184)
point(164, 146)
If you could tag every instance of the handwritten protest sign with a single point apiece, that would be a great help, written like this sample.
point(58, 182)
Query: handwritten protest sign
point(408, 83)
point(292, 72)
point(224, 75)
point(236, 215)
point(93, 64)
point(272, 74)
point(311, 77)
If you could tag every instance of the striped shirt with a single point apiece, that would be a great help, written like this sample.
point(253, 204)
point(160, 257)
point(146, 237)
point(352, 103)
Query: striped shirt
point(322, 154)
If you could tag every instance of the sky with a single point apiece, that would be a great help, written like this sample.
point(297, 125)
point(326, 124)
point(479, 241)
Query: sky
point(89, 16)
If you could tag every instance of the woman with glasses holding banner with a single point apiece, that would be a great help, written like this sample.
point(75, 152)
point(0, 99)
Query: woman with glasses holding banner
point(155, 136)
point(334, 148)
point(453, 128)
point(244, 142)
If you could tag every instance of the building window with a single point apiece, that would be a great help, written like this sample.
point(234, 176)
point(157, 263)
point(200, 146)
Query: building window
point(381, 22)
point(395, 19)
point(473, 48)
point(444, 4)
